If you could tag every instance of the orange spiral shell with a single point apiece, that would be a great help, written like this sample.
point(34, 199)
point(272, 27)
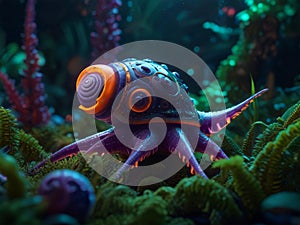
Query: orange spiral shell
point(95, 86)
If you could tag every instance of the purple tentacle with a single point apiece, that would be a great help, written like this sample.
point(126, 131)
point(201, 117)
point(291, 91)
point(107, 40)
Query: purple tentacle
point(139, 153)
point(110, 144)
point(177, 142)
point(185, 149)
point(74, 148)
point(207, 146)
point(213, 122)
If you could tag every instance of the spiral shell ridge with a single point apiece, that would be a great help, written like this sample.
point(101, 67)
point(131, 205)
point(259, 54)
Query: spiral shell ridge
point(89, 89)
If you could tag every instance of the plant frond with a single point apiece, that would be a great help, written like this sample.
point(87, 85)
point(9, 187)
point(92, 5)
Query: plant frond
point(244, 183)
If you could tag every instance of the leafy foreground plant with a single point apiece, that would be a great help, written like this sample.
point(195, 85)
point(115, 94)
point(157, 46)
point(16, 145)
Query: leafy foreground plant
point(268, 164)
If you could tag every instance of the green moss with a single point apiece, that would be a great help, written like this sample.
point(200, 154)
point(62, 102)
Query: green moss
point(272, 165)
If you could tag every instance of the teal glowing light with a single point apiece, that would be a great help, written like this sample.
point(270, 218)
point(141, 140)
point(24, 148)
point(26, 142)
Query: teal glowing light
point(190, 72)
point(129, 18)
point(197, 49)
point(244, 16)
point(232, 62)
point(130, 4)
point(289, 10)
point(254, 8)
point(250, 2)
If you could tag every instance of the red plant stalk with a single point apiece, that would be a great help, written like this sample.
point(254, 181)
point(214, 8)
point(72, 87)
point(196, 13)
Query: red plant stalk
point(30, 105)
point(12, 93)
point(37, 112)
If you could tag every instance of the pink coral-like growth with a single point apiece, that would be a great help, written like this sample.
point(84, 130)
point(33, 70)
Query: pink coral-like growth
point(30, 105)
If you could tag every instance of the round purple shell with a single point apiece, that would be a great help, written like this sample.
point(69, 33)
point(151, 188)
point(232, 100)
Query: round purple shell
point(68, 192)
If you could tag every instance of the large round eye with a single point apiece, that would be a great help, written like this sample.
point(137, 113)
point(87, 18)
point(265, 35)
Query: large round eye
point(95, 85)
point(143, 69)
point(140, 100)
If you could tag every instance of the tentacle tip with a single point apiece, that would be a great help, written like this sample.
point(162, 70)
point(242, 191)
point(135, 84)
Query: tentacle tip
point(203, 175)
point(117, 178)
point(32, 172)
point(36, 169)
point(260, 92)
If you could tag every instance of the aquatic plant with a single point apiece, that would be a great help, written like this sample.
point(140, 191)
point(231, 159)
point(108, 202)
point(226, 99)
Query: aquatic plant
point(8, 126)
point(53, 137)
point(16, 182)
point(279, 154)
point(272, 161)
point(143, 17)
point(267, 26)
point(11, 57)
point(27, 210)
point(269, 165)
point(243, 181)
point(191, 200)
point(107, 32)
point(18, 143)
point(30, 105)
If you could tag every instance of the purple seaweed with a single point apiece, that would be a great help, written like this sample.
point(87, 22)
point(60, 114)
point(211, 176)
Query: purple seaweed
point(107, 33)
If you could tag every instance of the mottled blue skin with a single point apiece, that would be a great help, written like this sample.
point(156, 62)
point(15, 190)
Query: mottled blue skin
point(160, 79)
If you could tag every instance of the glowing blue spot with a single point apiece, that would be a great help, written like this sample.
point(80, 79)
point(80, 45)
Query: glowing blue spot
point(196, 49)
point(115, 11)
point(205, 82)
point(190, 72)
point(206, 25)
point(218, 100)
point(129, 18)
point(279, 106)
point(129, 4)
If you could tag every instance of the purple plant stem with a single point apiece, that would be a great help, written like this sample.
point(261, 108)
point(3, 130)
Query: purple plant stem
point(107, 33)
point(36, 113)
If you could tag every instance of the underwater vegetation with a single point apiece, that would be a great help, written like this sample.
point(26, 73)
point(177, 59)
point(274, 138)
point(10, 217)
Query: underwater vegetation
point(267, 46)
point(30, 105)
point(107, 32)
point(267, 165)
point(259, 182)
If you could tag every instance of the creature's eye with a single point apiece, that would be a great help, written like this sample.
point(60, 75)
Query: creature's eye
point(140, 100)
point(143, 69)
point(95, 86)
